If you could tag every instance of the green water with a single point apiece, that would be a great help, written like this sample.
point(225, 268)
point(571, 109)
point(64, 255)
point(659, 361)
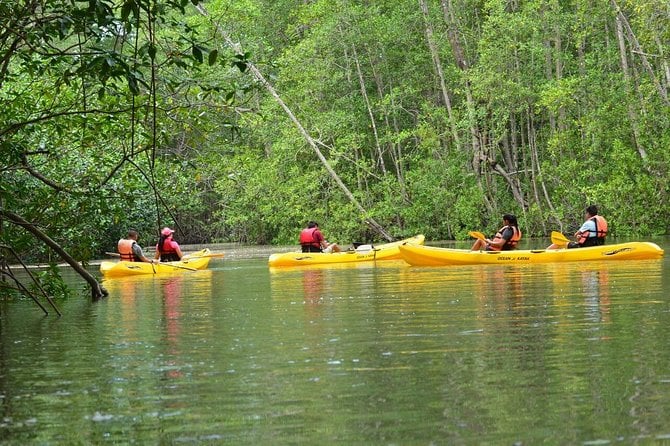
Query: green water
point(364, 354)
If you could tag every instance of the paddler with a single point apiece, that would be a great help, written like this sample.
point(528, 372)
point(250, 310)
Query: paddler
point(505, 239)
point(312, 240)
point(130, 250)
point(168, 250)
point(592, 232)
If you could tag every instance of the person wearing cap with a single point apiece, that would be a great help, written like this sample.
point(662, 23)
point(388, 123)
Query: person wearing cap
point(167, 250)
point(130, 250)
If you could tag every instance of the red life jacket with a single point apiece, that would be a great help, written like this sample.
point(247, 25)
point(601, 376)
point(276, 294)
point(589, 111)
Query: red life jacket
point(307, 238)
point(125, 248)
point(509, 244)
point(167, 248)
point(167, 252)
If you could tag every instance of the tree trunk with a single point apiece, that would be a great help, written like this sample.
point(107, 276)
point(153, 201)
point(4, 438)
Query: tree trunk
point(623, 21)
point(664, 63)
point(463, 65)
point(397, 155)
point(548, 71)
point(394, 149)
point(632, 113)
point(437, 64)
point(373, 123)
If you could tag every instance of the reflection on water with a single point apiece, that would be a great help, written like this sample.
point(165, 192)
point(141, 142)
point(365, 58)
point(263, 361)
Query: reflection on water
point(164, 298)
point(355, 354)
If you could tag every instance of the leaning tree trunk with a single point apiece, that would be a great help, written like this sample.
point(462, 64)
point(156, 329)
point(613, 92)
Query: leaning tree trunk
point(632, 113)
point(260, 78)
point(621, 18)
point(437, 64)
point(371, 113)
point(464, 65)
point(97, 290)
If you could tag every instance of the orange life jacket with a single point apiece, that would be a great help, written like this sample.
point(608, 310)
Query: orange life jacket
point(601, 230)
point(509, 244)
point(125, 248)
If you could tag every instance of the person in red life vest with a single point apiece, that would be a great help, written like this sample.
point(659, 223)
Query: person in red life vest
point(130, 250)
point(167, 250)
point(312, 240)
point(505, 239)
point(592, 232)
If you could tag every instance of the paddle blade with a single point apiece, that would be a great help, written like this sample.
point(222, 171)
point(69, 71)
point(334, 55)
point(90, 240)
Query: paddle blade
point(477, 235)
point(559, 239)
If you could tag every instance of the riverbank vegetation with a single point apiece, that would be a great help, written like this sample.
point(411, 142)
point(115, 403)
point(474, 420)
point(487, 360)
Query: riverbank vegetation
point(241, 120)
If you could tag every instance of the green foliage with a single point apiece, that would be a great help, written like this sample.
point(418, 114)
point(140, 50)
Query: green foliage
point(49, 282)
point(562, 125)
point(84, 130)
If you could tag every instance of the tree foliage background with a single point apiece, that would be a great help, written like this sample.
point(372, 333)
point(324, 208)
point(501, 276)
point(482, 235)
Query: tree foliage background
point(437, 115)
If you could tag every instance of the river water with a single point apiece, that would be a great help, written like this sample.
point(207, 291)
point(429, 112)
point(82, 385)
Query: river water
point(384, 354)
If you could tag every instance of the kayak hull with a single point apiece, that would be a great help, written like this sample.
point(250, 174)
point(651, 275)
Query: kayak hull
point(195, 261)
point(435, 256)
point(387, 251)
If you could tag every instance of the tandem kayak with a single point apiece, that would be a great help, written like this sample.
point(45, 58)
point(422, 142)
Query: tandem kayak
point(435, 256)
point(191, 262)
point(366, 253)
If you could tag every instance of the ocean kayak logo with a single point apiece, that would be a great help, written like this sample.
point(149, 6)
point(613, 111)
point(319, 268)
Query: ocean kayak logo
point(617, 251)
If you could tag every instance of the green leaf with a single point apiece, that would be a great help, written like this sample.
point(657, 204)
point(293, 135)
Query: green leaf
point(213, 55)
point(152, 51)
point(242, 66)
point(197, 53)
point(125, 10)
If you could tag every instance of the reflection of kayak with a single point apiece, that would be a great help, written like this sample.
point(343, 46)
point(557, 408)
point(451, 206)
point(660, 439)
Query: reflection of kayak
point(434, 256)
point(387, 251)
point(396, 263)
point(193, 262)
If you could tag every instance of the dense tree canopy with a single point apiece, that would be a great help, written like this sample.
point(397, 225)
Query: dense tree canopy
point(240, 120)
point(443, 115)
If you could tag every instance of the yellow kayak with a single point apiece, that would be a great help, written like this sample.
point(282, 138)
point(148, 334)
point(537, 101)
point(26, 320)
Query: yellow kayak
point(367, 253)
point(192, 262)
point(434, 256)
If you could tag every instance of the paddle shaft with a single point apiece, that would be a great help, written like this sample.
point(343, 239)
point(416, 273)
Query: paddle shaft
point(187, 268)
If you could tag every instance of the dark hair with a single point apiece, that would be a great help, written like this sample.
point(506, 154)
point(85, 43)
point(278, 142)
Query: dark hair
point(511, 218)
point(312, 224)
point(161, 241)
point(132, 233)
point(592, 210)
